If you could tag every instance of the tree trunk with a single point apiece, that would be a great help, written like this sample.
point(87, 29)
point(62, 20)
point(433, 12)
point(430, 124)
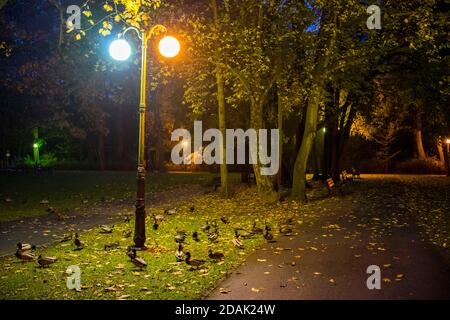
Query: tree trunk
point(222, 128)
point(158, 164)
point(440, 149)
point(101, 152)
point(280, 141)
point(221, 106)
point(446, 156)
point(317, 87)
point(298, 183)
point(120, 136)
point(256, 122)
point(418, 136)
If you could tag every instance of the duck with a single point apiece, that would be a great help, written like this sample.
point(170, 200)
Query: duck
point(237, 243)
point(106, 229)
point(256, 230)
point(180, 237)
point(193, 262)
point(155, 224)
point(246, 235)
point(127, 219)
point(78, 242)
point(170, 211)
point(192, 208)
point(45, 201)
point(268, 236)
point(217, 256)
point(179, 253)
point(46, 261)
point(138, 262)
point(224, 219)
point(195, 236)
point(113, 245)
point(286, 230)
point(25, 247)
point(127, 233)
point(66, 237)
point(25, 256)
point(206, 227)
point(130, 252)
point(158, 218)
point(213, 236)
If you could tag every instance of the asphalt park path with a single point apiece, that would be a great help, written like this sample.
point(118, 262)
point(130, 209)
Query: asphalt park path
point(334, 242)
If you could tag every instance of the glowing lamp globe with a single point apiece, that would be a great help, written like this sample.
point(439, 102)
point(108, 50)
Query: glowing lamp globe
point(169, 46)
point(448, 141)
point(120, 50)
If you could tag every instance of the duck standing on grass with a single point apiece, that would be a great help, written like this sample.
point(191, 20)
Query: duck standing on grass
point(179, 253)
point(46, 261)
point(205, 228)
point(193, 262)
point(195, 236)
point(256, 230)
point(138, 262)
point(78, 242)
point(106, 229)
point(212, 237)
point(236, 241)
point(216, 256)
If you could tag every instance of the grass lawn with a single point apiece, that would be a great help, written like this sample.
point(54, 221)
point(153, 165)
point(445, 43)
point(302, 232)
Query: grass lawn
point(111, 275)
point(67, 190)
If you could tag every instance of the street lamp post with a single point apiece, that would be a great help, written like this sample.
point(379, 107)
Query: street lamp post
point(120, 50)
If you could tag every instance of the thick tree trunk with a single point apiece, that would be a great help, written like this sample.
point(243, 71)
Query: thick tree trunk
point(222, 128)
point(440, 149)
point(446, 156)
point(298, 183)
point(263, 182)
point(418, 137)
point(315, 98)
point(221, 106)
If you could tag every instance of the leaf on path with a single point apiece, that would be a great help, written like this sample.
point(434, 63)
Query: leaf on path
point(224, 291)
point(262, 260)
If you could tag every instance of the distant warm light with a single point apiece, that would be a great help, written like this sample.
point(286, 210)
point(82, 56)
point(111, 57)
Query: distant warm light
point(324, 130)
point(120, 50)
point(169, 47)
point(35, 145)
point(448, 141)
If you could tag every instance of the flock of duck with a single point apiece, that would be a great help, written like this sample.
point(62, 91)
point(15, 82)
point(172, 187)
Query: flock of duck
point(26, 252)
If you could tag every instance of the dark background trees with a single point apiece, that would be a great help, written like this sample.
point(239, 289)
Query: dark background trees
point(343, 96)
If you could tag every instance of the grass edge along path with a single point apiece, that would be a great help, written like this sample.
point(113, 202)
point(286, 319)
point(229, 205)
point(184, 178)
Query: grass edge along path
point(109, 274)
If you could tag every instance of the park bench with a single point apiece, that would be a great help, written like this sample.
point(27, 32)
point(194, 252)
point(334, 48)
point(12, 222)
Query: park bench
point(355, 173)
point(331, 187)
point(346, 177)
